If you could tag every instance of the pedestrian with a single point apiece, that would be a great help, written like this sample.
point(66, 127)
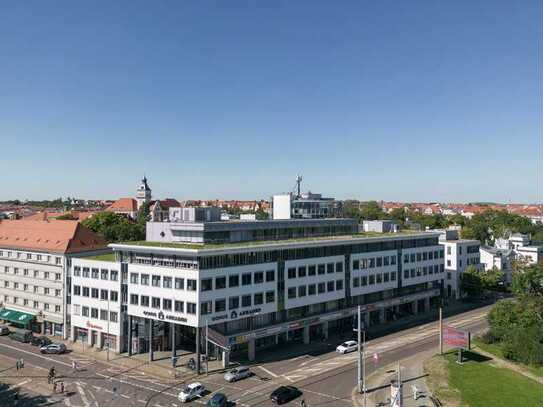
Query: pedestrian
point(17, 364)
point(22, 363)
point(62, 387)
point(302, 403)
point(74, 366)
point(54, 387)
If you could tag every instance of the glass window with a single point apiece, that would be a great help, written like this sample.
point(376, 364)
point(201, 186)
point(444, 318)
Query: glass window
point(363, 280)
point(233, 281)
point(312, 289)
point(191, 308)
point(292, 273)
point(179, 306)
point(330, 286)
point(321, 287)
point(104, 274)
point(134, 277)
point(95, 273)
point(114, 296)
point(220, 305)
point(144, 300)
point(103, 295)
point(339, 285)
point(246, 279)
point(134, 299)
point(356, 282)
point(206, 307)
point(339, 267)
point(144, 279)
point(113, 316)
point(246, 301)
point(94, 312)
point(166, 304)
point(155, 302)
point(356, 264)
point(233, 302)
point(103, 314)
point(321, 269)
point(191, 286)
point(292, 292)
point(207, 284)
point(372, 279)
point(259, 277)
point(330, 268)
point(114, 275)
point(77, 290)
point(270, 276)
point(270, 296)
point(302, 271)
point(166, 282)
point(85, 291)
point(259, 299)
point(156, 281)
point(302, 291)
point(312, 270)
point(179, 283)
point(94, 292)
point(84, 310)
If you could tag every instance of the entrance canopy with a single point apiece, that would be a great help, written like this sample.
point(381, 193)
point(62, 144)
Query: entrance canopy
point(16, 317)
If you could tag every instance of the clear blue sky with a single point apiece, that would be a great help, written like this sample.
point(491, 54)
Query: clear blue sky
point(396, 100)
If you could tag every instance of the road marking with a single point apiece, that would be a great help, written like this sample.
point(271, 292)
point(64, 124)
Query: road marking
point(268, 371)
point(125, 396)
point(142, 401)
point(82, 394)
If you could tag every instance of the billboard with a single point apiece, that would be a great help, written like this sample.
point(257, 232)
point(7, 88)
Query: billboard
point(455, 337)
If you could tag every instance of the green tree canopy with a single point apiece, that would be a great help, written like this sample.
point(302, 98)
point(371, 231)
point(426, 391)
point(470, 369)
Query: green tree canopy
point(115, 227)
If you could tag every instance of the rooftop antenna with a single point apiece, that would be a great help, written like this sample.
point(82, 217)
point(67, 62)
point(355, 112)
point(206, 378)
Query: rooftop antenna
point(298, 185)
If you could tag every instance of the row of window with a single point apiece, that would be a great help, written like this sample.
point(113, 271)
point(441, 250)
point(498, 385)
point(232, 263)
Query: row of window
point(97, 274)
point(233, 280)
point(314, 269)
point(374, 279)
point(26, 303)
point(165, 303)
point(422, 256)
point(373, 262)
point(472, 260)
point(35, 289)
point(31, 256)
point(95, 293)
point(248, 300)
point(95, 313)
point(158, 260)
point(35, 273)
point(423, 271)
point(164, 282)
point(313, 289)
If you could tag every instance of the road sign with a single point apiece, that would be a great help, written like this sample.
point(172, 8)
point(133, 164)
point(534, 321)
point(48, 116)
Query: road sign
point(455, 337)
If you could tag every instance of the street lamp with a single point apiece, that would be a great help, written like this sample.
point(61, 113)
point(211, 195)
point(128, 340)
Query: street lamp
point(108, 317)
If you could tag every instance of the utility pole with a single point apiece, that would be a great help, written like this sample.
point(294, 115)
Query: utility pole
point(108, 318)
point(359, 343)
point(207, 350)
point(440, 330)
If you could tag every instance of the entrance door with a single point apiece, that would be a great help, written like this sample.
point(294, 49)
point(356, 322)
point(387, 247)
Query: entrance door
point(94, 337)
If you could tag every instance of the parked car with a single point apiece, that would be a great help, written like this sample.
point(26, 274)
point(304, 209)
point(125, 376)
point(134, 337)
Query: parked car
point(218, 400)
point(40, 341)
point(284, 394)
point(56, 348)
point(238, 373)
point(21, 335)
point(346, 347)
point(191, 392)
point(4, 330)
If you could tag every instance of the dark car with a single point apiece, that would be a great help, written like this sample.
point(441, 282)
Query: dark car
point(284, 394)
point(40, 341)
point(218, 400)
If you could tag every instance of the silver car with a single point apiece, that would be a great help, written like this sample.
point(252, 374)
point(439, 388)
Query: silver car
point(238, 373)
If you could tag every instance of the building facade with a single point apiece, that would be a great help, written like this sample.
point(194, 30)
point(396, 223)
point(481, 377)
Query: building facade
point(35, 264)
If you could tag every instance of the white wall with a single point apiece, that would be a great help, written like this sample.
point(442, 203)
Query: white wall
point(281, 206)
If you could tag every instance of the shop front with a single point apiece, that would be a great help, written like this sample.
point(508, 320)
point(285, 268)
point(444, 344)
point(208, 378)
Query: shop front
point(17, 319)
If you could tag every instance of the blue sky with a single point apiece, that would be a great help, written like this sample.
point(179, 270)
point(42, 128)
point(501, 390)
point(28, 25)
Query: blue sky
point(425, 100)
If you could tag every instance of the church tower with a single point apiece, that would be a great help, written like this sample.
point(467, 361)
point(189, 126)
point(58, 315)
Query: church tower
point(144, 193)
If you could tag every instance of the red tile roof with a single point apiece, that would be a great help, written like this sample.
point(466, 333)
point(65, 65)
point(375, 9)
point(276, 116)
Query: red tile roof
point(123, 205)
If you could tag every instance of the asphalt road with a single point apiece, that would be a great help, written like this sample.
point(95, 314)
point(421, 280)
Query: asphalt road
point(326, 379)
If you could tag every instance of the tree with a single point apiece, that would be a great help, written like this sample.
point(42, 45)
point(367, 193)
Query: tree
point(503, 317)
point(529, 282)
point(144, 214)
point(115, 227)
point(471, 282)
point(492, 278)
point(371, 211)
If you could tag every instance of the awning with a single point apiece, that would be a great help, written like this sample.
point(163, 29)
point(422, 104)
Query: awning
point(17, 317)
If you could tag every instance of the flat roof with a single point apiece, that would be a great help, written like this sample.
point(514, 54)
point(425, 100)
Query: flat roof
point(195, 248)
point(100, 257)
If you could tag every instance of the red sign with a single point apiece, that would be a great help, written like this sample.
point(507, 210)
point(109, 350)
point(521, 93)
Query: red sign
point(455, 337)
point(90, 325)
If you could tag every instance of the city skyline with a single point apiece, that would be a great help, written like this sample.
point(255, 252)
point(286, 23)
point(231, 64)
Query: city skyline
point(368, 101)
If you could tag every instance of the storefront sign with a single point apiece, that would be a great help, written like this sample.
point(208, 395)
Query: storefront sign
point(92, 326)
point(250, 312)
point(161, 316)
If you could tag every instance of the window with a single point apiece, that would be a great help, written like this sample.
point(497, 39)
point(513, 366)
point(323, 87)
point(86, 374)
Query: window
point(76, 309)
point(191, 308)
point(57, 308)
point(312, 289)
point(207, 284)
point(292, 292)
point(233, 302)
point(246, 279)
point(155, 302)
point(302, 291)
point(36, 273)
point(448, 263)
point(77, 271)
point(393, 276)
point(46, 274)
point(94, 292)
point(46, 291)
point(270, 296)
point(166, 304)
point(364, 280)
point(179, 283)
point(94, 273)
point(339, 285)
point(36, 304)
point(379, 278)
point(330, 286)
point(413, 257)
point(385, 277)
point(220, 283)
point(321, 269)
point(356, 264)
point(330, 268)
point(166, 282)
point(104, 274)
point(448, 249)
point(259, 277)
point(155, 281)
point(16, 285)
point(379, 262)
point(270, 276)
point(246, 301)
point(339, 267)
point(292, 273)
point(86, 291)
point(321, 288)
point(144, 300)
point(179, 306)
point(406, 274)
point(233, 281)
point(103, 314)
point(94, 312)
point(356, 282)
point(144, 279)
point(393, 260)
point(259, 299)
point(114, 275)
point(114, 296)
point(134, 277)
point(191, 285)
point(371, 263)
point(134, 299)
point(312, 270)
point(103, 295)
point(220, 305)
point(57, 260)
point(77, 290)
point(302, 271)
point(113, 316)
point(372, 279)
point(84, 310)
point(386, 261)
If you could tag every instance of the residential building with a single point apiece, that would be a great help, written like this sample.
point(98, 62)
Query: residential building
point(459, 255)
point(501, 259)
point(251, 293)
point(35, 261)
point(522, 246)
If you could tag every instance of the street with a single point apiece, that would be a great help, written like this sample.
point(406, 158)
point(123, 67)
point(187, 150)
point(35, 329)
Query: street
point(327, 379)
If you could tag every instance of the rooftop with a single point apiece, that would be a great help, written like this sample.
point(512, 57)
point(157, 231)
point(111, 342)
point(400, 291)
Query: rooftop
point(211, 246)
point(101, 257)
